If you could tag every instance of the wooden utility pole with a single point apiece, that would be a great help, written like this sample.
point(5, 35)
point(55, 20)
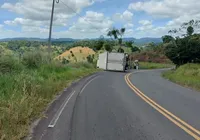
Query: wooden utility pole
point(50, 28)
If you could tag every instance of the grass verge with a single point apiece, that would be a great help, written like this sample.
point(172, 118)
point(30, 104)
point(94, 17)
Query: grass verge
point(187, 75)
point(149, 65)
point(27, 89)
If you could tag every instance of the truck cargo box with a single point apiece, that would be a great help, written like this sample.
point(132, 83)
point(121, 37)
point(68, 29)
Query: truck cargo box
point(112, 61)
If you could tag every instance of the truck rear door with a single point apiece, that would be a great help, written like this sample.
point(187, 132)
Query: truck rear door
point(116, 61)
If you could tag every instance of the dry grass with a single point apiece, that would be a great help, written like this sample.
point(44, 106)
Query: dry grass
point(80, 53)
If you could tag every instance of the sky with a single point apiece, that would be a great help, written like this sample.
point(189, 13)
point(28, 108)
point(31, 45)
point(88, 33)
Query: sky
point(92, 18)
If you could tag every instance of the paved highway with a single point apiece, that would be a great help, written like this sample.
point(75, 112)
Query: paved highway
point(123, 106)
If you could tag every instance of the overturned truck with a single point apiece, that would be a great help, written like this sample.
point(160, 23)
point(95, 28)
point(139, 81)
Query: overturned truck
point(112, 61)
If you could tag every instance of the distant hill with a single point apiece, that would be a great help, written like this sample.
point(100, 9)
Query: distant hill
point(141, 41)
point(22, 38)
point(39, 39)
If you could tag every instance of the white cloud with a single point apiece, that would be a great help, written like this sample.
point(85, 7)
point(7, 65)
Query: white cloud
point(91, 25)
point(126, 16)
point(37, 13)
point(145, 22)
point(167, 8)
point(1, 26)
point(100, 0)
point(35, 23)
point(92, 22)
point(128, 25)
point(146, 25)
point(34, 16)
point(179, 11)
point(129, 33)
point(35, 29)
point(41, 9)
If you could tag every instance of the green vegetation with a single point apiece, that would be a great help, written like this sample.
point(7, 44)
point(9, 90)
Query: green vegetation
point(117, 35)
point(186, 75)
point(154, 53)
point(149, 65)
point(185, 53)
point(186, 49)
point(28, 85)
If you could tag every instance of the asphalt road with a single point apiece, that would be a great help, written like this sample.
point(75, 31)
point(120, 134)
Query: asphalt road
point(111, 106)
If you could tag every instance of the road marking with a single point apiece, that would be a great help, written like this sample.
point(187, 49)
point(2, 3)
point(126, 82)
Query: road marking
point(177, 121)
point(189, 126)
point(57, 116)
point(87, 84)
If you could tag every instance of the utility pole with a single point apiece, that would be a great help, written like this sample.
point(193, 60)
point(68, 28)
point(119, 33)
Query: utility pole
point(50, 28)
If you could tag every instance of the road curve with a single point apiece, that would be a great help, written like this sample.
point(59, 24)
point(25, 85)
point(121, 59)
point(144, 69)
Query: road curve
point(105, 107)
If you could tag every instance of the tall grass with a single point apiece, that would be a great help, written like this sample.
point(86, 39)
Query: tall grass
point(26, 88)
point(35, 59)
point(186, 75)
point(9, 64)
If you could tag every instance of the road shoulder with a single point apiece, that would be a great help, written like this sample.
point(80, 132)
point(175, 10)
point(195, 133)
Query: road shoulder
point(39, 126)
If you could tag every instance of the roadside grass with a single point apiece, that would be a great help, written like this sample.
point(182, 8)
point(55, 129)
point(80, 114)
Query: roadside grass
point(150, 65)
point(27, 88)
point(187, 75)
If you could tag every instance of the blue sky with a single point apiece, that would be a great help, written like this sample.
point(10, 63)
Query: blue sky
point(92, 18)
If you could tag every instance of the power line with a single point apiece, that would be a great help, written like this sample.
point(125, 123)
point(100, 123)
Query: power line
point(78, 14)
point(51, 21)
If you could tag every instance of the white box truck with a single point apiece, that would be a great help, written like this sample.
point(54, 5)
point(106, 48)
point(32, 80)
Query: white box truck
point(112, 61)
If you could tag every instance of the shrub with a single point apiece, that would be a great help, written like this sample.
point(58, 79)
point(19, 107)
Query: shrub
point(90, 59)
point(9, 64)
point(65, 61)
point(108, 47)
point(35, 59)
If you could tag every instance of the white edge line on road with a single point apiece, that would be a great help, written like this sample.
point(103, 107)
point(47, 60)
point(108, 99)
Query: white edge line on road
point(56, 117)
point(88, 84)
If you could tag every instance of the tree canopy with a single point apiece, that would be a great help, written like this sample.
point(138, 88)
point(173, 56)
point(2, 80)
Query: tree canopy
point(186, 49)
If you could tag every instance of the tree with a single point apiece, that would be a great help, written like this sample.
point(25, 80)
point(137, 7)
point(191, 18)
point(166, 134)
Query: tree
point(135, 49)
point(167, 38)
point(108, 47)
point(117, 34)
point(188, 26)
point(190, 30)
point(99, 44)
point(129, 44)
point(120, 50)
point(150, 46)
point(186, 49)
point(121, 33)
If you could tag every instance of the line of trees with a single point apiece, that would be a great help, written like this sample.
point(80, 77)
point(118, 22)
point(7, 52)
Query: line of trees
point(185, 48)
